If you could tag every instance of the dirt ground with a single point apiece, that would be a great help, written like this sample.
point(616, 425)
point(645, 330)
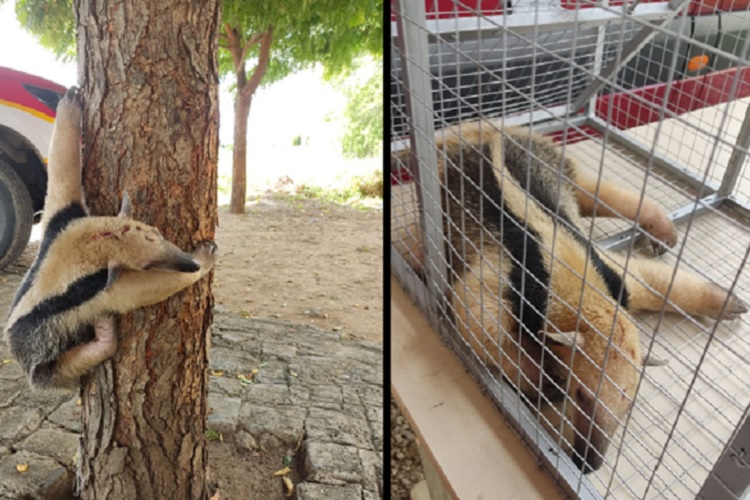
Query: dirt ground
point(237, 475)
point(304, 261)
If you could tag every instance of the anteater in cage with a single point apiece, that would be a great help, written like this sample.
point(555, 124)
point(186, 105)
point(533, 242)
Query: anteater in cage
point(531, 295)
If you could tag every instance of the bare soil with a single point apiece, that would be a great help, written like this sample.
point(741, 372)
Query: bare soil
point(305, 261)
point(238, 474)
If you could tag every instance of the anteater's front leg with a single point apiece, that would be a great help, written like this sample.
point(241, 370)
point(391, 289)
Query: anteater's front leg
point(85, 357)
point(615, 201)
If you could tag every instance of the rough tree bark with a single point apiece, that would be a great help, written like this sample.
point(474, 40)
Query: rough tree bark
point(244, 98)
point(149, 77)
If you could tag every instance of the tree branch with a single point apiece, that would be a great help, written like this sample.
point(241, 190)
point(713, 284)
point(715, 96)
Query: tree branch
point(235, 48)
point(260, 70)
point(253, 40)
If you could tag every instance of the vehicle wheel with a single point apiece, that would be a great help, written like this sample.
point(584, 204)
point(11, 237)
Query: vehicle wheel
point(16, 215)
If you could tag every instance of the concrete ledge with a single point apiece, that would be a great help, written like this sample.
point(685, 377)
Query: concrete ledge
point(471, 447)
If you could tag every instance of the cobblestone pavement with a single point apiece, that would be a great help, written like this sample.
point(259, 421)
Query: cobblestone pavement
point(311, 386)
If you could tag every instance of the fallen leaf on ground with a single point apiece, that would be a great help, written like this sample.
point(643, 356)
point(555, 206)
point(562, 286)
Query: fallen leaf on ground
point(289, 485)
point(282, 472)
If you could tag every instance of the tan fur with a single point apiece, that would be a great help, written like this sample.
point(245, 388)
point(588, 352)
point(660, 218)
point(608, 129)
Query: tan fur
point(607, 361)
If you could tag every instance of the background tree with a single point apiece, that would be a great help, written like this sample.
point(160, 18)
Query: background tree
point(363, 114)
point(149, 77)
point(277, 38)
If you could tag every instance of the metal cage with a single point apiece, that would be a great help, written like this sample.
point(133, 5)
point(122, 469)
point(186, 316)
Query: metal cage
point(650, 95)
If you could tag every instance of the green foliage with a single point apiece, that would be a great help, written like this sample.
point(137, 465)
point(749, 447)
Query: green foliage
point(52, 22)
point(329, 32)
point(363, 115)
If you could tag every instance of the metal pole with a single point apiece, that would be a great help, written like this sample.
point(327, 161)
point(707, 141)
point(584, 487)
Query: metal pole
point(738, 157)
point(417, 85)
point(730, 478)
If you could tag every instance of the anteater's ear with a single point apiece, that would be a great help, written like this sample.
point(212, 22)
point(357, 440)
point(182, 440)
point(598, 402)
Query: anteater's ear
point(126, 209)
point(651, 360)
point(569, 339)
point(113, 271)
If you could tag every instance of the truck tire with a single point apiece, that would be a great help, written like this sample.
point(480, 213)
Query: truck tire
point(16, 215)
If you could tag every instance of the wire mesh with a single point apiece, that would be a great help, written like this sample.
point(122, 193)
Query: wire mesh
point(667, 133)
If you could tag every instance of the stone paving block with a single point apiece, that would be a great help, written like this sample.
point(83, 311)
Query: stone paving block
point(54, 443)
point(375, 419)
point(355, 353)
point(283, 351)
point(224, 414)
point(329, 426)
point(268, 394)
point(45, 400)
point(285, 423)
point(299, 395)
point(326, 396)
point(372, 470)
point(17, 422)
point(370, 495)
point(351, 396)
point(272, 372)
point(44, 479)
point(67, 415)
point(227, 384)
point(371, 395)
point(11, 371)
point(315, 491)
point(332, 463)
point(243, 341)
point(10, 392)
point(232, 361)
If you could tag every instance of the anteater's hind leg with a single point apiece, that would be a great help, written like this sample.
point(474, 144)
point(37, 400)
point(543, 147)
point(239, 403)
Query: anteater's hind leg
point(648, 281)
point(64, 170)
point(614, 201)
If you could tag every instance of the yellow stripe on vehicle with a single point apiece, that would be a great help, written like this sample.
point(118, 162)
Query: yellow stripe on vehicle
point(27, 109)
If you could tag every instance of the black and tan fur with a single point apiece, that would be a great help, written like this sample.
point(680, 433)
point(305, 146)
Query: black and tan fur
point(518, 256)
point(60, 325)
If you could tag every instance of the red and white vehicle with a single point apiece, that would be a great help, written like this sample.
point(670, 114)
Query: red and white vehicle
point(27, 112)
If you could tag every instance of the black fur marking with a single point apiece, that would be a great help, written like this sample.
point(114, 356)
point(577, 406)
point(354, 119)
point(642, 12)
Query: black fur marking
point(516, 160)
point(42, 374)
point(56, 225)
point(528, 284)
point(536, 177)
point(79, 292)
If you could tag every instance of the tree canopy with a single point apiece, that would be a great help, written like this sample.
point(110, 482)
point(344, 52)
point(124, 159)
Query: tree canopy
point(329, 32)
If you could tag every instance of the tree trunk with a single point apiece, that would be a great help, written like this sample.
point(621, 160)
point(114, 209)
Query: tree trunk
point(245, 90)
point(149, 78)
point(239, 154)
